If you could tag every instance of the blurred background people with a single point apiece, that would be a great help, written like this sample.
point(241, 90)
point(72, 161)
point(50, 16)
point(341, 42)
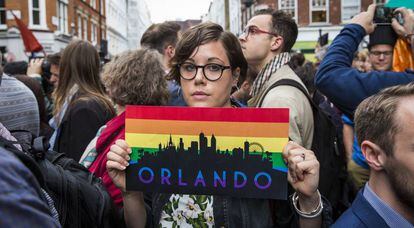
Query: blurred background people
point(81, 106)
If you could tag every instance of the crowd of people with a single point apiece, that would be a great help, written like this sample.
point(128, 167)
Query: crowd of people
point(78, 104)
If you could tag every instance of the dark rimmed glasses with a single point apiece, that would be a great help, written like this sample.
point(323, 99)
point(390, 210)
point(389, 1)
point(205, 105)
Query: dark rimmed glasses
point(378, 53)
point(211, 71)
point(253, 30)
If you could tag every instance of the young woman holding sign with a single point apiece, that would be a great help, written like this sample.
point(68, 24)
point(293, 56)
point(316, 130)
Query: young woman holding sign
point(207, 63)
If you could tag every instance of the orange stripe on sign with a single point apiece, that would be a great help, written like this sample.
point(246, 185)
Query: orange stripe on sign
point(234, 129)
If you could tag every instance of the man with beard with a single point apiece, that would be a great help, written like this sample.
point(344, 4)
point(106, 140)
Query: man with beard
point(387, 200)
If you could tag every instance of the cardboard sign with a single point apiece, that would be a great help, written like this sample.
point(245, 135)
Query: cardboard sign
point(207, 151)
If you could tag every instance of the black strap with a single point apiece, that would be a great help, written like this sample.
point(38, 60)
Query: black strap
point(25, 158)
point(289, 82)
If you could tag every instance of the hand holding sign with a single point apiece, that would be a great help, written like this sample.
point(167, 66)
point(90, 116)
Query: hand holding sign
point(303, 174)
point(118, 160)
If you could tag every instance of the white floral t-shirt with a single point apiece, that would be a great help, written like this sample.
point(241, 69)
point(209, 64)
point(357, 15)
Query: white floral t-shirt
point(188, 211)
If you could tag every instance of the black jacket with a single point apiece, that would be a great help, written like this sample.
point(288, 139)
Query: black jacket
point(82, 120)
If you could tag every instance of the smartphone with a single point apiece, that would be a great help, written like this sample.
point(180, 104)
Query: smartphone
point(384, 15)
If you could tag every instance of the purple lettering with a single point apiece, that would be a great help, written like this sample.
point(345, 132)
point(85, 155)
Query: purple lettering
point(222, 181)
point(200, 179)
point(236, 175)
point(165, 179)
point(180, 176)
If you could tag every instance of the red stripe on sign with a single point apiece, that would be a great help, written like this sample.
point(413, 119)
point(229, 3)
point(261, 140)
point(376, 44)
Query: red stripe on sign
point(272, 115)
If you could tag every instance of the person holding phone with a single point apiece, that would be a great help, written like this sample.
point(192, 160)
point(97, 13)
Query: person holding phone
point(344, 85)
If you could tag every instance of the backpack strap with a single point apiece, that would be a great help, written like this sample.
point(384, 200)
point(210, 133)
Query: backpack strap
point(289, 82)
point(25, 158)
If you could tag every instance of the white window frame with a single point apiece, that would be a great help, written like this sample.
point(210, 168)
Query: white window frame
point(80, 25)
point(101, 5)
point(93, 3)
point(311, 9)
point(342, 10)
point(94, 33)
point(63, 20)
point(296, 18)
point(85, 28)
point(42, 15)
point(4, 25)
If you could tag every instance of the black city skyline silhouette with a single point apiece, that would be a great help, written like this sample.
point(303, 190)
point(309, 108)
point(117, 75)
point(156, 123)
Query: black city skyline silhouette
point(237, 157)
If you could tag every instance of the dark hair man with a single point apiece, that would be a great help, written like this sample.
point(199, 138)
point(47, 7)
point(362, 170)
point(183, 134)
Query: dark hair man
point(163, 37)
point(387, 200)
point(266, 43)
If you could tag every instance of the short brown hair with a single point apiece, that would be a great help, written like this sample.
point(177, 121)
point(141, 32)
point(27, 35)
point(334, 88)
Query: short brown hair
point(159, 36)
point(202, 34)
point(375, 117)
point(136, 78)
point(54, 59)
point(283, 25)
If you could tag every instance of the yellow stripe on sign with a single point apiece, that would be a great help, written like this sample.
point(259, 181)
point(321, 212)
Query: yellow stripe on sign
point(223, 142)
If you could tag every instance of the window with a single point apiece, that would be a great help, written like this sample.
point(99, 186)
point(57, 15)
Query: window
point(62, 11)
point(79, 26)
point(350, 8)
point(37, 12)
point(101, 5)
point(319, 13)
point(94, 33)
point(93, 4)
point(289, 6)
point(85, 28)
point(2, 12)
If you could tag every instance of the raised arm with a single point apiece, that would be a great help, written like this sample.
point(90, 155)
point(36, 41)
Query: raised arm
point(345, 86)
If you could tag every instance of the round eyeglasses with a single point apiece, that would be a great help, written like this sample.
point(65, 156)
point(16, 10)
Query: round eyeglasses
point(211, 71)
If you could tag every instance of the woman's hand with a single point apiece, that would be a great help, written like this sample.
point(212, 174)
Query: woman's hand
point(303, 174)
point(117, 161)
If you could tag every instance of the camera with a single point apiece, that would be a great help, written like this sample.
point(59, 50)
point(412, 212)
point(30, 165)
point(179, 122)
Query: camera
point(384, 15)
point(46, 69)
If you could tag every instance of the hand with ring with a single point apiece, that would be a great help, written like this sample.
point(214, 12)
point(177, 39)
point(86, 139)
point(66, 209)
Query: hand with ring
point(303, 173)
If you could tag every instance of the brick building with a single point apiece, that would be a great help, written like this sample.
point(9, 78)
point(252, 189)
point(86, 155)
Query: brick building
point(53, 22)
point(88, 18)
point(312, 16)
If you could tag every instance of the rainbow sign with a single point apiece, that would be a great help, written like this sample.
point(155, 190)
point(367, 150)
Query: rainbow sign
point(209, 151)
